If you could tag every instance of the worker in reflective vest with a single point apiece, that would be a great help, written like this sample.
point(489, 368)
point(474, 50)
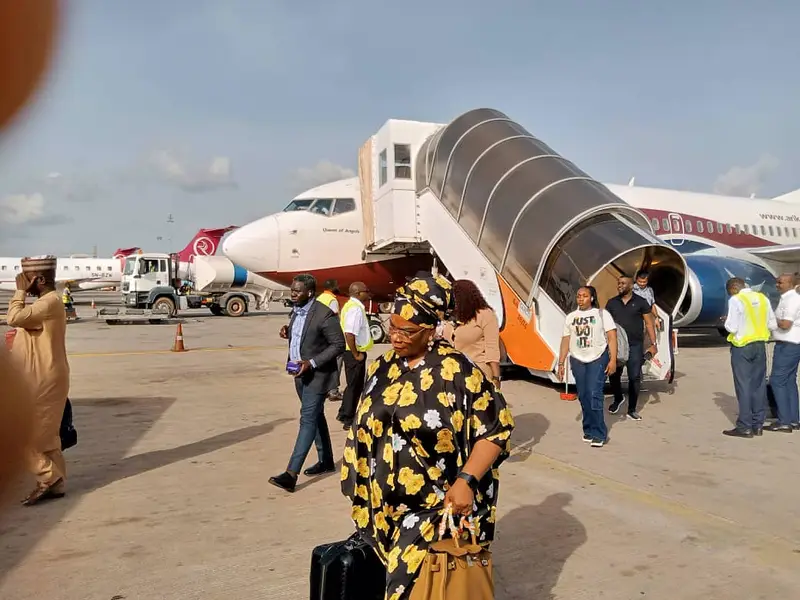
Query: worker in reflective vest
point(750, 319)
point(330, 289)
point(356, 333)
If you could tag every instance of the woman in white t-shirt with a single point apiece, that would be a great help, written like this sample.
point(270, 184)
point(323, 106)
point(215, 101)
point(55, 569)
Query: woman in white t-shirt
point(590, 339)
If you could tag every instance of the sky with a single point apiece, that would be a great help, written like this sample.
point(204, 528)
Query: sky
point(217, 112)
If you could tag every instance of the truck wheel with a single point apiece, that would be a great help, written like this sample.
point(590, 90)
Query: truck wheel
point(235, 307)
point(165, 304)
point(216, 310)
point(376, 330)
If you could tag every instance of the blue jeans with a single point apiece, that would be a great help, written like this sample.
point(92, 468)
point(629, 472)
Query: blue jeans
point(634, 367)
point(749, 366)
point(783, 381)
point(590, 379)
point(313, 428)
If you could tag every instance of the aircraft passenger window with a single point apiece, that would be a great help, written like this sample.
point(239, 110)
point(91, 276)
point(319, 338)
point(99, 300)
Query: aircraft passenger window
point(77, 268)
point(763, 230)
point(3, 268)
point(794, 231)
point(786, 231)
point(322, 206)
point(383, 169)
point(344, 205)
point(778, 230)
point(770, 230)
point(88, 268)
point(700, 228)
point(109, 268)
point(66, 268)
point(402, 161)
point(719, 228)
point(687, 226)
point(298, 205)
point(655, 224)
point(710, 226)
point(728, 228)
point(665, 223)
point(746, 228)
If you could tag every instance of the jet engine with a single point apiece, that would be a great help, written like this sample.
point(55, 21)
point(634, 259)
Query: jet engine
point(706, 301)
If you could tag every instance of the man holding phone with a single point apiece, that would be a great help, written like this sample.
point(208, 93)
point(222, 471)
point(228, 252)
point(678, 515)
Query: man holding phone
point(315, 342)
point(40, 352)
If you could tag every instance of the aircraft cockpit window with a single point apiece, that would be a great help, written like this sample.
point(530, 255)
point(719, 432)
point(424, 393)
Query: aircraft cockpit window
point(344, 205)
point(298, 205)
point(322, 206)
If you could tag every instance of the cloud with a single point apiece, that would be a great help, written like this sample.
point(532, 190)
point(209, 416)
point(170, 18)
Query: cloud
point(172, 169)
point(745, 181)
point(20, 212)
point(74, 188)
point(324, 172)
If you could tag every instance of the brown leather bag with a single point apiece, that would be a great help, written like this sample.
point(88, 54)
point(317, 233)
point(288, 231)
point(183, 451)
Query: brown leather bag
point(453, 570)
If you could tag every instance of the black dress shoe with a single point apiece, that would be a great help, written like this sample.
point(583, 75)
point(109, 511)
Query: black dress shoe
point(319, 469)
point(736, 432)
point(758, 431)
point(781, 428)
point(286, 481)
point(795, 426)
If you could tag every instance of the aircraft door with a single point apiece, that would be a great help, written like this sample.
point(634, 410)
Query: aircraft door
point(675, 229)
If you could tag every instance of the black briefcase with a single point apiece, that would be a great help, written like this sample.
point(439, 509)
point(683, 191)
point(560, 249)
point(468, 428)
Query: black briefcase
point(69, 436)
point(347, 570)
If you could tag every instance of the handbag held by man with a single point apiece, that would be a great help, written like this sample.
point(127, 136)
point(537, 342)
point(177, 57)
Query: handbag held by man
point(347, 570)
point(454, 570)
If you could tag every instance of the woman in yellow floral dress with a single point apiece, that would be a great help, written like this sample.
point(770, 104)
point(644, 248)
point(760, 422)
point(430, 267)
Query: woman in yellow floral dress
point(430, 430)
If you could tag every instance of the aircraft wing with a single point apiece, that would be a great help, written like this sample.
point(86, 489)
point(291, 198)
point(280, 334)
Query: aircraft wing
point(785, 253)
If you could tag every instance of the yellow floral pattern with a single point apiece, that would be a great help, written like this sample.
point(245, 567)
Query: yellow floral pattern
point(413, 431)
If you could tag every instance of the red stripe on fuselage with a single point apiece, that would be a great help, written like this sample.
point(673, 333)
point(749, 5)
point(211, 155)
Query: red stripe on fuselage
point(381, 277)
point(733, 239)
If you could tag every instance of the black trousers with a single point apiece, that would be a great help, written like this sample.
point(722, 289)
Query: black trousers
point(355, 373)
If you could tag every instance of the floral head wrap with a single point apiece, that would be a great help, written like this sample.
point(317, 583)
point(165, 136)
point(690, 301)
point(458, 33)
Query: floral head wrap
point(424, 300)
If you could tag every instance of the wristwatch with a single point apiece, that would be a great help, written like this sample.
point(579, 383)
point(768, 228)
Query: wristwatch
point(471, 480)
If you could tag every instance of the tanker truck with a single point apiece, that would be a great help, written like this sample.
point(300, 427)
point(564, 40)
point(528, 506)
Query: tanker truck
point(156, 287)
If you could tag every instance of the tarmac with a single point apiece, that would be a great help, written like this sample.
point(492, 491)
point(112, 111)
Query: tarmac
point(168, 495)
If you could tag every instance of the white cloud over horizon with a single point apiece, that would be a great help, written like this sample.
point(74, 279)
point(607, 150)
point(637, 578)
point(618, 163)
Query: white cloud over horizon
point(747, 180)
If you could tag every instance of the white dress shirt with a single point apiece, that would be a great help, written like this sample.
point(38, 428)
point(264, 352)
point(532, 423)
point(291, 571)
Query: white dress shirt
point(788, 310)
point(735, 322)
point(355, 323)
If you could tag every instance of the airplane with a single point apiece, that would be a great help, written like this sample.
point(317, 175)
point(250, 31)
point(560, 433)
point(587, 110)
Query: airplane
point(87, 273)
point(720, 236)
point(331, 232)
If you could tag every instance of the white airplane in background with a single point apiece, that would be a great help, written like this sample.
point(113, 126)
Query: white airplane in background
point(330, 232)
point(86, 273)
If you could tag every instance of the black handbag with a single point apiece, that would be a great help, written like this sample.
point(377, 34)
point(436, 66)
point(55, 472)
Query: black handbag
point(347, 570)
point(68, 433)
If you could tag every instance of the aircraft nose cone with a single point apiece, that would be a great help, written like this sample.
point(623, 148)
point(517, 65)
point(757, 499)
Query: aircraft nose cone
point(254, 246)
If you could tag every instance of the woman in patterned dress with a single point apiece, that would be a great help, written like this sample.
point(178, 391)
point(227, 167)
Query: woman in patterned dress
point(430, 430)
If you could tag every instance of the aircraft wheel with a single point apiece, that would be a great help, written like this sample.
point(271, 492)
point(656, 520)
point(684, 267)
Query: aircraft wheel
point(376, 330)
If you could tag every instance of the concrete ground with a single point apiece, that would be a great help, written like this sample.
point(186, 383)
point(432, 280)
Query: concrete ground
point(168, 494)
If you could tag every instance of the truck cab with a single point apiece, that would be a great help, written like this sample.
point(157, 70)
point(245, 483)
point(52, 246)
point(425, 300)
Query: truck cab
point(150, 281)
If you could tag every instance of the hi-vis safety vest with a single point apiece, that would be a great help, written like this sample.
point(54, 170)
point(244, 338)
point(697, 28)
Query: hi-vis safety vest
point(755, 319)
point(326, 298)
point(355, 305)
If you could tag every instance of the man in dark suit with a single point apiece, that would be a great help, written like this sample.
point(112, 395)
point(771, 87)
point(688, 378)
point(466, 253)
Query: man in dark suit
point(315, 341)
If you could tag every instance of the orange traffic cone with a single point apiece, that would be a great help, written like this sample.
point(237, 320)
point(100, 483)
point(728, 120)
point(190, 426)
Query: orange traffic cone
point(178, 345)
point(10, 335)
